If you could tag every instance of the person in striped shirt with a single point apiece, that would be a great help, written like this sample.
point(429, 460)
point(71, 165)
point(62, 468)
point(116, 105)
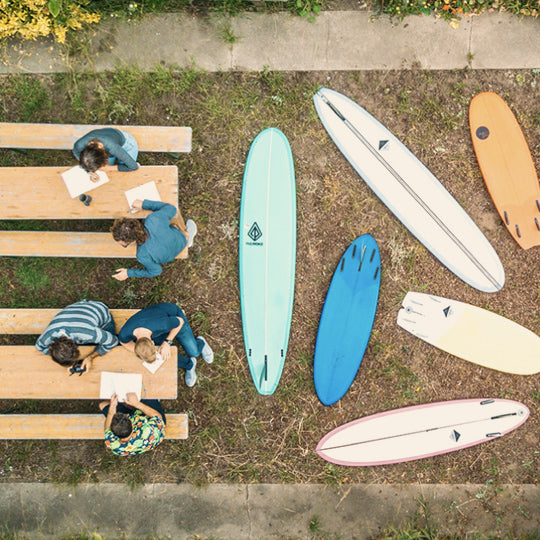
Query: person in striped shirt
point(84, 323)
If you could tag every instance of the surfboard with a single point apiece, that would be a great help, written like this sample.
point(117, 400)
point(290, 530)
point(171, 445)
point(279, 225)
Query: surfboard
point(267, 256)
point(420, 431)
point(410, 191)
point(347, 319)
point(507, 166)
point(471, 333)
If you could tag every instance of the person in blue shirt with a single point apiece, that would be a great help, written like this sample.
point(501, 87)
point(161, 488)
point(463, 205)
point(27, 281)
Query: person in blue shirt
point(158, 241)
point(153, 330)
point(100, 147)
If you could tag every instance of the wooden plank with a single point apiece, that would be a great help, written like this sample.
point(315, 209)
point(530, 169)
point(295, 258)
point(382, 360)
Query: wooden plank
point(40, 193)
point(73, 426)
point(65, 244)
point(34, 321)
point(63, 136)
point(25, 373)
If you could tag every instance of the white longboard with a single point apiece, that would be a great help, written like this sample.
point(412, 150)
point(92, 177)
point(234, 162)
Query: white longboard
point(471, 333)
point(421, 431)
point(410, 191)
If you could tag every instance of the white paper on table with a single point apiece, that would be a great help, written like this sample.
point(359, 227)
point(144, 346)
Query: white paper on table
point(78, 181)
point(152, 367)
point(147, 191)
point(120, 384)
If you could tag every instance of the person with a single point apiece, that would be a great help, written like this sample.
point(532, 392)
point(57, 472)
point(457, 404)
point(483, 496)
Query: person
point(87, 322)
point(134, 427)
point(100, 147)
point(158, 241)
point(154, 329)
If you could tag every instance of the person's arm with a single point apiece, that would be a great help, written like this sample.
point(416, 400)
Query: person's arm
point(111, 412)
point(42, 343)
point(105, 341)
point(163, 210)
point(165, 348)
point(130, 346)
point(87, 361)
point(131, 399)
point(125, 161)
point(151, 269)
point(126, 338)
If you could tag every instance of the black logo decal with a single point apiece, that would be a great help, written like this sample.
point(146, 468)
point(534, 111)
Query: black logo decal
point(382, 144)
point(447, 311)
point(482, 133)
point(455, 436)
point(254, 233)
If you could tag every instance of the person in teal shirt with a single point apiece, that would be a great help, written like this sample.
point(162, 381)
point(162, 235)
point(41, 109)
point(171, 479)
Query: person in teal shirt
point(158, 241)
point(103, 146)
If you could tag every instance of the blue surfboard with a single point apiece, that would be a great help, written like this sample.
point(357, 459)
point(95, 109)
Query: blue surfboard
point(347, 319)
point(267, 254)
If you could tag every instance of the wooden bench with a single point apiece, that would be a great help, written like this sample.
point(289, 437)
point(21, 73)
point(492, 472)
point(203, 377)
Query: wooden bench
point(39, 193)
point(73, 426)
point(35, 321)
point(63, 136)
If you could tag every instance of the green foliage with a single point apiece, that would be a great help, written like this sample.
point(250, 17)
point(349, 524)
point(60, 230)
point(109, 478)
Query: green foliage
point(452, 10)
point(32, 19)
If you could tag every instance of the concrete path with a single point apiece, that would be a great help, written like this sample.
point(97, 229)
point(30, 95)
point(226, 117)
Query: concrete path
point(337, 40)
point(257, 512)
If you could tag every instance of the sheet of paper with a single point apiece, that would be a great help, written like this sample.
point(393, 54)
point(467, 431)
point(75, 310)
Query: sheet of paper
point(145, 191)
point(78, 181)
point(152, 367)
point(120, 384)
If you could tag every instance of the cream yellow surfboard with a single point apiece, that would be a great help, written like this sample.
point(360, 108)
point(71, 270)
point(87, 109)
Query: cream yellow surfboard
point(471, 333)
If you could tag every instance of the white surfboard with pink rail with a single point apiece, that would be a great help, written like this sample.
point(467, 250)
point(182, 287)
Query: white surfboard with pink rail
point(421, 431)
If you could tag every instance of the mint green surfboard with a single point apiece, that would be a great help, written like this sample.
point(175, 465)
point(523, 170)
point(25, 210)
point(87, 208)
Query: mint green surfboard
point(267, 256)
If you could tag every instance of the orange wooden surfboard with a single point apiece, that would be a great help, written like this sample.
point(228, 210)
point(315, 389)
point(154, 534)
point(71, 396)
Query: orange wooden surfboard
point(507, 166)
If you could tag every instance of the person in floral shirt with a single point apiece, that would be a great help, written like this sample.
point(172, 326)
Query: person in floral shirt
point(134, 427)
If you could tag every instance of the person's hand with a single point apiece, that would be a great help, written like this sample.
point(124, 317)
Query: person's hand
point(94, 176)
point(121, 274)
point(131, 399)
point(87, 364)
point(137, 203)
point(114, 402)
point(165, 350)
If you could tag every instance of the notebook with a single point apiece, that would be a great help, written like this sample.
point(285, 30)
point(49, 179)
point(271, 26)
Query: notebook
point(78, 181)
point(147, 191)
point(120, 384)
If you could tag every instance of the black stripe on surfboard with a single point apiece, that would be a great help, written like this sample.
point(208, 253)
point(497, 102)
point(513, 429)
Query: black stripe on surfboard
point(417, 432)
point(411, 192)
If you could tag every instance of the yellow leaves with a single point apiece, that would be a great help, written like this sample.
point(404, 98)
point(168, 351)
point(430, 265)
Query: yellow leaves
point(31, 19)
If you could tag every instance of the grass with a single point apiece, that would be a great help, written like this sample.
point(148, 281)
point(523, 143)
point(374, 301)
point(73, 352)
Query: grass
point(235, 434)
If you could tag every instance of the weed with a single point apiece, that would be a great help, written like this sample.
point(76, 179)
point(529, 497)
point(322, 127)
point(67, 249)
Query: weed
point(227, 34)
point(314, 525)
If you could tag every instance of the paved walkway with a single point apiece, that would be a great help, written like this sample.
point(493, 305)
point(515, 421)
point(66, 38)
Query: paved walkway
point(337, 40)
point(258, 512)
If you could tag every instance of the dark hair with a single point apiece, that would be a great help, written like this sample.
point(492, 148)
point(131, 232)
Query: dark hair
point(64, 351)
point(121, 425)
point(93, 156)
point(129, 230)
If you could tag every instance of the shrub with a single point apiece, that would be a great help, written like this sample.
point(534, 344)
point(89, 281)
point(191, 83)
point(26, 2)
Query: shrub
point(30, 19)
